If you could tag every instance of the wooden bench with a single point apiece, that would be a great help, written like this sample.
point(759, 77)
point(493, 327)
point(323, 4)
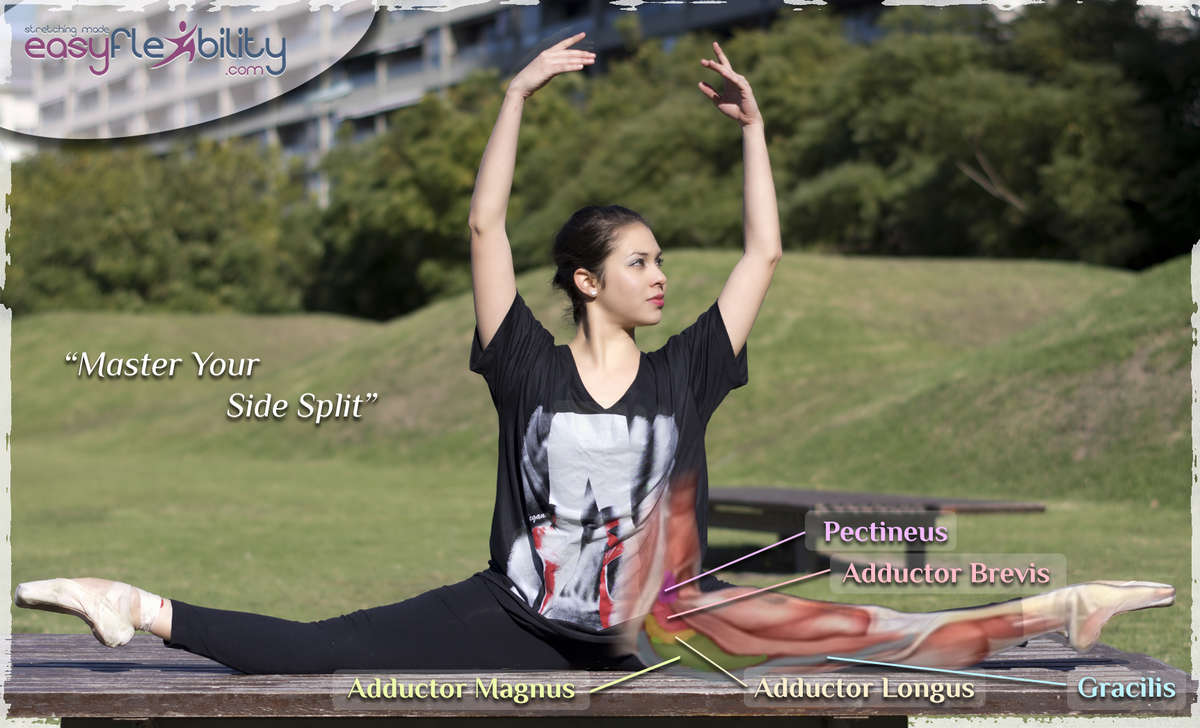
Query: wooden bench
point(86, 684)
point(782, 510)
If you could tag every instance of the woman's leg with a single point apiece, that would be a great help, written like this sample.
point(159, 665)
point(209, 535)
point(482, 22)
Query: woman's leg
point(779, 626)
point(455, 627)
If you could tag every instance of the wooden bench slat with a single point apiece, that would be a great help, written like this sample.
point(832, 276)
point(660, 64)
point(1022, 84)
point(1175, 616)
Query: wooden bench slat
point(73, 675)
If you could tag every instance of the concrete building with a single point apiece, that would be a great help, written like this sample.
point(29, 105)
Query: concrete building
point(19, 112)
point(405, 54)
point(18, 108)
point(134, 100)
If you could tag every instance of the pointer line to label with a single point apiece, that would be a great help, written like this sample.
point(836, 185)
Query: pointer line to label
point(952, 672)
point(639, 672)
point(750, 594)
point(706, 659)
point(731, 563)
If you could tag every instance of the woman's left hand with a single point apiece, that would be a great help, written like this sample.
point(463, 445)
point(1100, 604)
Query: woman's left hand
point(736, 99)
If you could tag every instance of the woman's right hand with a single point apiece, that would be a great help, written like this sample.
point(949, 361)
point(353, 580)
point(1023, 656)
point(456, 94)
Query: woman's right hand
point(556, 59)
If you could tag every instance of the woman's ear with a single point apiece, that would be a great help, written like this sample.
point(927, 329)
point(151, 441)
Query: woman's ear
point(587, 283)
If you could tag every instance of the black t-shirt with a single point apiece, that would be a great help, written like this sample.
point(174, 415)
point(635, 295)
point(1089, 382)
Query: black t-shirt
point(576, 481)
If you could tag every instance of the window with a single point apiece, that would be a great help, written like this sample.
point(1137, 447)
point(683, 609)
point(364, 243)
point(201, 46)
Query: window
point(565, 11)
point(433, 44)
point(53, 111)
point(474, 32)
point(54, 69)
point(88, 101)
point(118, 91)
point(298, 139)
point(360, 71)
point(364, 128)
point(159, 119)
point(209, 106)
point(160, 77)
point(243, 95)
point(404, 62)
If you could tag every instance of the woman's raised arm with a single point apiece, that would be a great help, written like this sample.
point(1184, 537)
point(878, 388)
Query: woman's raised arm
point(492, 277)
point(746, 287)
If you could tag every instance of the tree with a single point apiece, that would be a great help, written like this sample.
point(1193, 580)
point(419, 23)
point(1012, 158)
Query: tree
point(217, 227)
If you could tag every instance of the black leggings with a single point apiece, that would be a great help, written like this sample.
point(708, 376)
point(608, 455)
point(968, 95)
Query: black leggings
point(461, 626)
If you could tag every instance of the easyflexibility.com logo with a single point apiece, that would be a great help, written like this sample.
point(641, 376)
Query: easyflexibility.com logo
point(59, 42)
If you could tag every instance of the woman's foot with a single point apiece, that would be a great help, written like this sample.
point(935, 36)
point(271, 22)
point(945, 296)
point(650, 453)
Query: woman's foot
point(114, 610)
point(1094, 603)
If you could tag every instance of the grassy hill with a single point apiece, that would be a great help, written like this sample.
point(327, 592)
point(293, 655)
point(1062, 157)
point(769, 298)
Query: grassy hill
point(1061, 382)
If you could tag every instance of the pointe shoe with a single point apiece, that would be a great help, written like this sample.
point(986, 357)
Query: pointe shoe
point(1095, 602)
point(107, 614)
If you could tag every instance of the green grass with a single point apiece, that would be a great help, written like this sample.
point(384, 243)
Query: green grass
point(1059, 382)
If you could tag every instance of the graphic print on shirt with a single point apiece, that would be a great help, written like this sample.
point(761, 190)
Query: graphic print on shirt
point(589, 482)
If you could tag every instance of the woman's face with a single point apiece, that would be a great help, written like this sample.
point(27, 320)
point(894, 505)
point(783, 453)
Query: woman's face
point(634, 288)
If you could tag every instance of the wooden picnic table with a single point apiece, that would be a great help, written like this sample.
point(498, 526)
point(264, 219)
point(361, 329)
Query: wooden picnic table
point(782, 511)
point(86, 684)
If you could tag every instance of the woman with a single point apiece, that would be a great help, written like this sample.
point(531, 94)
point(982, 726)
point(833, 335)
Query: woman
point(601, 474)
